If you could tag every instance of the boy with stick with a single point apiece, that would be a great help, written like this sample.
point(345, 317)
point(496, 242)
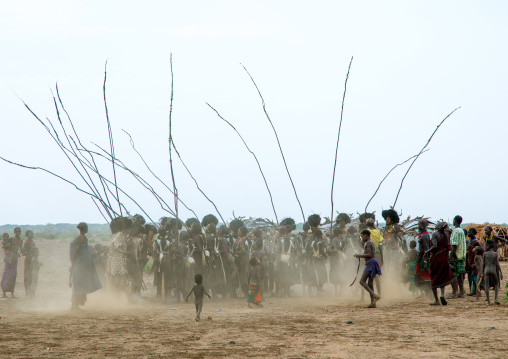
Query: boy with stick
point(372, 268)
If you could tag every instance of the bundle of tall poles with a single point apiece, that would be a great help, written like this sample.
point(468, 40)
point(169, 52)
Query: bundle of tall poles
point(111, 200)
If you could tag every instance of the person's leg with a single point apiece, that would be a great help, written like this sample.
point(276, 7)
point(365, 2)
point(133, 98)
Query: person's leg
point(198, 314)
point(461, 285)
point(378, 285)
point(496, 290)
point(472, 285)
point(368, 286)
point(436, 301)
point(442, 298)
point(487, 287)
point(454, 289)
point(470, 282)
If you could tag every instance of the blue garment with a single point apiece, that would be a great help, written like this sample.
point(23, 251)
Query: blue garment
point(372, 268)
point(84, 276)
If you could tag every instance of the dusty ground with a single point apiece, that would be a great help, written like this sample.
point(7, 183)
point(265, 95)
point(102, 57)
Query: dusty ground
point(297, 327)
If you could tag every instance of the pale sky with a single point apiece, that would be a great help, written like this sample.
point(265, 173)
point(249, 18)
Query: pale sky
point(414, 62)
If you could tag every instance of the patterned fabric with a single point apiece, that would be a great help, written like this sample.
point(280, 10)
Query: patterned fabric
point(411, 276)
point(458, 266)
point(255, 292)
point(117, 248)
point(459, 239)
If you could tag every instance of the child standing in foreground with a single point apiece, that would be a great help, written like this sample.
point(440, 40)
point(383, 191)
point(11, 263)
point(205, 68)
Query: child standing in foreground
point(491, 270)
point(256, 277)
point(199, 291)
point(372, 268)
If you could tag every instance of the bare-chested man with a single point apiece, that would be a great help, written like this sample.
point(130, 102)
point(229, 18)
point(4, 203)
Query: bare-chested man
point(372, 268)
point(498, 241)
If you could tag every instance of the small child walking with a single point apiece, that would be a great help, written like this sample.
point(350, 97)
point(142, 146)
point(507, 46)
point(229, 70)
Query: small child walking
point(199, 292)
point(255, 280)
point(477, 270)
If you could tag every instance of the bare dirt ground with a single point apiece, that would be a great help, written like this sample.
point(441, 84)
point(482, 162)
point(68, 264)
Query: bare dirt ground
point(297, 327)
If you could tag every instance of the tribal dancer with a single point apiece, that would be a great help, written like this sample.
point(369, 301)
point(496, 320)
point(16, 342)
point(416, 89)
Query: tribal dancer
point(116, 269)
point(284, 258)
point(159, 245)
point(319, 256)
point(241, 251)
point(392, 231)
point(334, 256)
point(198, 244)
point(377, 238)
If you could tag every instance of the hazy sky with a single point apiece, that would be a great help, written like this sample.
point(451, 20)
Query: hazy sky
point(414, 62)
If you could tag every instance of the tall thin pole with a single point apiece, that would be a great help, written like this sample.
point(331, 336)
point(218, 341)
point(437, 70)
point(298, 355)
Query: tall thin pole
point(254, 155)
point(111, 144)
point(338, 138)
point(380, 183)
point(278, 142)
point(424, 147)
point(175, 190)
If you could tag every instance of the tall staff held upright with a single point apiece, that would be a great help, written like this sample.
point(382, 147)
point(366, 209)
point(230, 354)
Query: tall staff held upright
point(175, 190)
point(338, 138)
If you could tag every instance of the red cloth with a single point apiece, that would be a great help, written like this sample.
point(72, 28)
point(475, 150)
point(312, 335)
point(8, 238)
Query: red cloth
point(440, 269)
point(424, 275)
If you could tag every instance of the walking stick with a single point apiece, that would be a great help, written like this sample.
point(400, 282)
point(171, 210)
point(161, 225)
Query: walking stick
point(357, 271)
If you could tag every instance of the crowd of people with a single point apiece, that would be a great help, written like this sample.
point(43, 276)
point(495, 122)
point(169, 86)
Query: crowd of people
point(13, 248)
point(241, 260)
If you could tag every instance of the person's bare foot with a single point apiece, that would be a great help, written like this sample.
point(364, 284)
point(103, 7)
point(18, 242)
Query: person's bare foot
point(376, 299)
point(373, 305)
point(197, 320)
point(443, 301)
point(435, 303)
point(497, 302)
